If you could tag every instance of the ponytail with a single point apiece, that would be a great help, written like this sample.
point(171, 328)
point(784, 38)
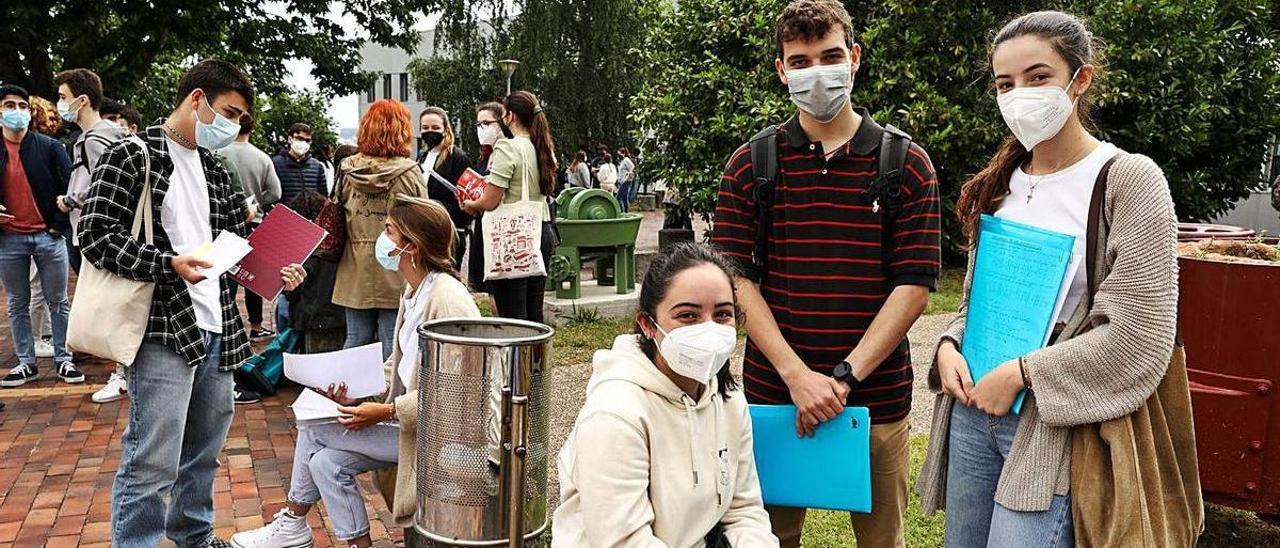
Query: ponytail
point(983, 192)
point(525, 106)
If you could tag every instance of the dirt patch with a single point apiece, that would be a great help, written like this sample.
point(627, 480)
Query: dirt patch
point(1231, 251)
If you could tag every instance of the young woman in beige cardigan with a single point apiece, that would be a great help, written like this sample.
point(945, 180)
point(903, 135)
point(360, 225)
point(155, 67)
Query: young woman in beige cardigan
point(418, 243)
point(1004, 478)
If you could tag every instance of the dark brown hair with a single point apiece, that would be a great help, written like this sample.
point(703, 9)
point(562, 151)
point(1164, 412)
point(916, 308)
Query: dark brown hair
point(215, 77)
point(82, 82)
point(427, 225)
point(492, 107)
point(1076, 45)
point(528, 109)
point(809, 20)
point(247, 124)
point(662, 272)
point(300, 127)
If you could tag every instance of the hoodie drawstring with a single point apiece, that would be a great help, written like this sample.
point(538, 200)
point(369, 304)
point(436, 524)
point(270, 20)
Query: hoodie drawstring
point(693, 456)
point(721, 448)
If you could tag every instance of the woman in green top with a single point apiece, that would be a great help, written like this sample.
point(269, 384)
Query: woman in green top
point(526, 159)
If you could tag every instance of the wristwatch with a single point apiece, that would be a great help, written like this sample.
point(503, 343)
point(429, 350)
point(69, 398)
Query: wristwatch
point(844, 372)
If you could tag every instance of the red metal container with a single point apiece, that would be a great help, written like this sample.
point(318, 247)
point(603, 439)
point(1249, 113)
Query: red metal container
point(1229, 315)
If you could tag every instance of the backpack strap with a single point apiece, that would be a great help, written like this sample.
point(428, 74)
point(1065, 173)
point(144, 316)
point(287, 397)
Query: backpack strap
point(764, 174)
point(886, 190)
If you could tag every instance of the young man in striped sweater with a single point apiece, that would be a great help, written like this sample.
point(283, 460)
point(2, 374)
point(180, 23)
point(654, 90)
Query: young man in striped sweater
point(845, 270)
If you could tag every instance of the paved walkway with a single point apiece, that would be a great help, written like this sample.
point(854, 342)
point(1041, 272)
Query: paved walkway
point(59, 453)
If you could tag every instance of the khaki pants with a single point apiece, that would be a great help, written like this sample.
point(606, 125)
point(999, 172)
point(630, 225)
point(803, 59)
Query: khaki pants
point(890, 469)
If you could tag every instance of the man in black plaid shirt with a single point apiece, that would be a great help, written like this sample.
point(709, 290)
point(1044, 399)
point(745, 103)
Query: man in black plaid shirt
point(181, 382)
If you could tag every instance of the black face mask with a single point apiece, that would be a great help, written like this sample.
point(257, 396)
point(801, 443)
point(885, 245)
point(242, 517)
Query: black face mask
point(432, 138)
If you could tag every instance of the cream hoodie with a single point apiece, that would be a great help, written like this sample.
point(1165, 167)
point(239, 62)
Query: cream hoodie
point(647, 466)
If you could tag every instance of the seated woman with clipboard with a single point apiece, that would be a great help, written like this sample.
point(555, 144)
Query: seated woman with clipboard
point(661, 453)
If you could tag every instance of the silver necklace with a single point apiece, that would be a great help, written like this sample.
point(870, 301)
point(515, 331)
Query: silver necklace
point(173, 133)
point(1037, 179)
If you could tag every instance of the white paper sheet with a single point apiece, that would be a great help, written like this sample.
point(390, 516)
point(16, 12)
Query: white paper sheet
point(313, 407)
point(1072, 268)
point(360, 368)
point(224, 252)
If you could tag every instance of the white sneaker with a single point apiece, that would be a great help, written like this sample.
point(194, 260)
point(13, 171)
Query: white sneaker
point(116, 388)
point(285, 531)
point(43, 349)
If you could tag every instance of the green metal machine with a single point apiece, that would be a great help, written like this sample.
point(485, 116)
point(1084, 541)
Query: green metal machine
point(593, 228)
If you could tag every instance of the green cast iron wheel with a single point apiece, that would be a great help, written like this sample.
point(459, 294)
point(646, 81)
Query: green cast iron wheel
point(562, 201)
point(593, 204)
point(560, 268)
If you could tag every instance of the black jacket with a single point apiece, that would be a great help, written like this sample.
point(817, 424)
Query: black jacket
point(452, 168)
point(298, 176)
point(48, 169)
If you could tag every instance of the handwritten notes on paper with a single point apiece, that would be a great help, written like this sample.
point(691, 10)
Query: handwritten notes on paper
point(1021, 275)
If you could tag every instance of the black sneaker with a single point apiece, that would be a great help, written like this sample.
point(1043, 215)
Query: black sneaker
point(257, 335)
point(247, 396)
point(216, 542)
point(19, 376)
point(69, 374)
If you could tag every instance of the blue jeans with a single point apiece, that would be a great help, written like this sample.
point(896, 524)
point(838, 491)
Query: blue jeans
point(178, 421)
point(282, 313)
point(369, 326)
point(50, 255)
point(979, 445)
point(624, 196)
point(327, 460)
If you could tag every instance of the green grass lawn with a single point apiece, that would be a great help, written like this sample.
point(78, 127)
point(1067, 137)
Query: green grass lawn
point(950, 292)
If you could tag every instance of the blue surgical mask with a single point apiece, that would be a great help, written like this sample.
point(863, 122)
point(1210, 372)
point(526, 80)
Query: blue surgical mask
point(64, 110)
point(382, 250)
point(17, 119)
point(218, 134)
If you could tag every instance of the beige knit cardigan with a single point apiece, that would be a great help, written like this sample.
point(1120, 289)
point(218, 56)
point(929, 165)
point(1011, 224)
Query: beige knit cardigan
point(1090, 374)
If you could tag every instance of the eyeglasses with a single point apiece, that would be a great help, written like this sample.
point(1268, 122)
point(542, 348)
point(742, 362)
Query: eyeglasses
point(305, 139)
point(15, 105)
point(485, 124)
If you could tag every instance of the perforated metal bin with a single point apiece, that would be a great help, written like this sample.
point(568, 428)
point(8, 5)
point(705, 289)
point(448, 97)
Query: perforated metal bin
point(482, 432)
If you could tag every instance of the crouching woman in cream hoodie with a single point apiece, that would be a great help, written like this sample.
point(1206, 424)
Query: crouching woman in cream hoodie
point(661, 454)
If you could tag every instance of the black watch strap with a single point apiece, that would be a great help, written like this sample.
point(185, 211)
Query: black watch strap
point(846, 373)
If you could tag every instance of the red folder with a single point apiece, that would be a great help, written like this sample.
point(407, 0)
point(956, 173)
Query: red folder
point(470, 185)
point(283, 238)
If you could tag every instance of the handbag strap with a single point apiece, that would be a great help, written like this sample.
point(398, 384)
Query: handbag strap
point(524, 188)
point(142, 213)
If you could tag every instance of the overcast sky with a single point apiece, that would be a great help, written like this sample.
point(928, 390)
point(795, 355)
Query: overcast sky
point(344, 110)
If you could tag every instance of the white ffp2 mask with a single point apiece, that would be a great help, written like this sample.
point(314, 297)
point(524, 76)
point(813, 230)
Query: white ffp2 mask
point(698, 351)
point(1036, 114)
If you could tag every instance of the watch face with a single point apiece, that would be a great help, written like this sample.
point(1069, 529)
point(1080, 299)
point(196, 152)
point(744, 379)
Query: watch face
point(841, 371)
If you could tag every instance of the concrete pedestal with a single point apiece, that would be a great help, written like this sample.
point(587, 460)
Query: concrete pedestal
point(603, 299)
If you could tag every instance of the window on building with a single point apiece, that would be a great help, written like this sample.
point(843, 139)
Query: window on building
point(373, 92)
point(386, 86)
point(404, 87)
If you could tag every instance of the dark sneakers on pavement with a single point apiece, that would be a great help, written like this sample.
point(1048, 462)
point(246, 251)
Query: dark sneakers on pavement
point(19, 376)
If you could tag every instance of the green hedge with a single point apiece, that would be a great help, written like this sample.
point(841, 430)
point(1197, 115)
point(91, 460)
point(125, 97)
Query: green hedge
point(1195, 84)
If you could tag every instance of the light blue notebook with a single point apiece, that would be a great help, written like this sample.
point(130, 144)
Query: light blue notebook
point(1020, 277)
point(830, 471)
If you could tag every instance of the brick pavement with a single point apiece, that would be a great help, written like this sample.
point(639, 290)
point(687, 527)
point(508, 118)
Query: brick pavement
point(59, 452)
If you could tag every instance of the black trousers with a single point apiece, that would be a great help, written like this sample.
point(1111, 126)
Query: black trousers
point(252, 305)
point(521, 299)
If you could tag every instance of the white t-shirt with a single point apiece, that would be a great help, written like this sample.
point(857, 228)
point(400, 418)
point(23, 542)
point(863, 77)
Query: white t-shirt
point(1059, 202)
point(415, 311)
point(185, 218)
point(429, 163)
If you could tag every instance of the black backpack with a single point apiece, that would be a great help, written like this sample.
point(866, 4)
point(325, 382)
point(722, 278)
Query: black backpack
point(885, 192)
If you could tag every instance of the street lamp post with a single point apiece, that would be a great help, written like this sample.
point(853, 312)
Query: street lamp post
point(509, 66)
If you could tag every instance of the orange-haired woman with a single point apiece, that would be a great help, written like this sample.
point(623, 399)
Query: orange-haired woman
point(370, 182)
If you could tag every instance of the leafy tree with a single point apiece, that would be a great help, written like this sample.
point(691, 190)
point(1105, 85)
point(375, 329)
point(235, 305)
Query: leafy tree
point(574, 54)
point(1194, 84)
point(276, 112)
point(123, 40)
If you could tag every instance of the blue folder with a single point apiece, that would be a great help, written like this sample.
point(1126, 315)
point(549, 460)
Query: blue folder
point(830, 471)
point(1018, 280)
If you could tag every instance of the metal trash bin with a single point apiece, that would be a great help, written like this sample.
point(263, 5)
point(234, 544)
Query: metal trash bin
point(482, 432)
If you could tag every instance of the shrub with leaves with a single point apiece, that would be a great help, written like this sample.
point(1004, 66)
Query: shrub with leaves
point(1195, 84)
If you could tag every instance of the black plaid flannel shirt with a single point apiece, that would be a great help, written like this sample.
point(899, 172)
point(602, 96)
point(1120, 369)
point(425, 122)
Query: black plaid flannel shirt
point(105, 241)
